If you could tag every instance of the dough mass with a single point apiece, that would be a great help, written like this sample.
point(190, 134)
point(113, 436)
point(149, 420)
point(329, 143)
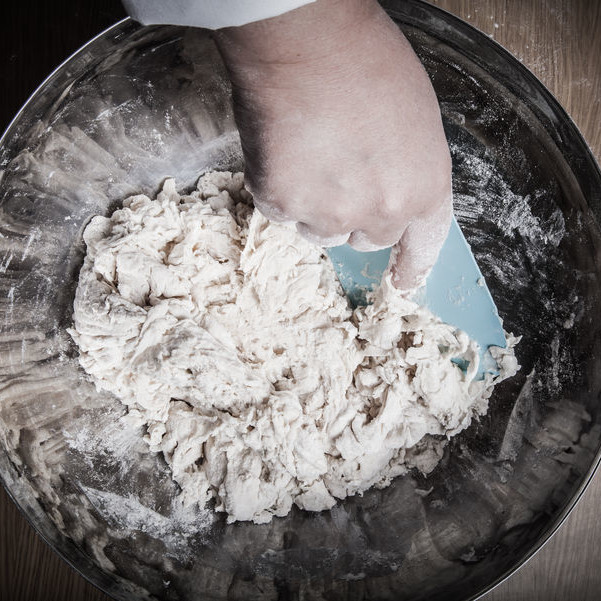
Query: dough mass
point(230, 340)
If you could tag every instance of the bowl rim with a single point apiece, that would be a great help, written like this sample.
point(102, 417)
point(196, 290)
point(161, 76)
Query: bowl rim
point(98, 577)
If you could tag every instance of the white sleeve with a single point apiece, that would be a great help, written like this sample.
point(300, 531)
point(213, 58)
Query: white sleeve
point(212, 14)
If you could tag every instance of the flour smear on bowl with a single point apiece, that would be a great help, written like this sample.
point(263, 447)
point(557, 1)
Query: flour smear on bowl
point(230, 339)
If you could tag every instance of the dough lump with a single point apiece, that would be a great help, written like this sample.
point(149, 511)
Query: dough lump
point(230, 339)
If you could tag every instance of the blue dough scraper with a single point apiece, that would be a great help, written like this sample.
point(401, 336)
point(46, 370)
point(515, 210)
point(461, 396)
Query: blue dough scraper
point(455, 290)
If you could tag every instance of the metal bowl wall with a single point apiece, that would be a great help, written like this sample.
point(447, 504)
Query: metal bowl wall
point(138, 104)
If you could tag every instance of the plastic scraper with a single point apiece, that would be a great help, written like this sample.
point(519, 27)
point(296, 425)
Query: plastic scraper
point(455, 290)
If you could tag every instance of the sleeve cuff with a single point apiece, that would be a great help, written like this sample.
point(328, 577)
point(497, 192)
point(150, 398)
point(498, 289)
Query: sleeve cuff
point(212, 14)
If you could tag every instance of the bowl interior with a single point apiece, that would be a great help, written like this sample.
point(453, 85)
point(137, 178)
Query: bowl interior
point(139, 104)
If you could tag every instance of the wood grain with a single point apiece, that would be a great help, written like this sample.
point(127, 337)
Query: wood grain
point(559, 40)
point(30, 570)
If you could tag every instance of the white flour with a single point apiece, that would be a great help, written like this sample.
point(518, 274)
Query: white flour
point(230, 339)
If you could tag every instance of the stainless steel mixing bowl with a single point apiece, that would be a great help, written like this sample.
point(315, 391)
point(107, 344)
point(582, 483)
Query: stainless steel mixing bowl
point(137, 104)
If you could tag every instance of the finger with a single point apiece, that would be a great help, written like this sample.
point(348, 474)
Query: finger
point(361, 240)
point(383, 222)
point(321, 238)
point(271, 211)
point(264, 199)
point(416, 252)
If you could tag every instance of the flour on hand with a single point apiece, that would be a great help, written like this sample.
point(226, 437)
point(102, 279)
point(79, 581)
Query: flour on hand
point(230, 339)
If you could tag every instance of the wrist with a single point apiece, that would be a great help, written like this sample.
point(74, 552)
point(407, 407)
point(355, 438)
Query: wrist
point(303, 36)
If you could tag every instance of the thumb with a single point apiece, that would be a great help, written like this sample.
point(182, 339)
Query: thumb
point(414, 255)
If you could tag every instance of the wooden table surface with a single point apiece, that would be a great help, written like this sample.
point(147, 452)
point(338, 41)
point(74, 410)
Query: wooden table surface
point(559, 40)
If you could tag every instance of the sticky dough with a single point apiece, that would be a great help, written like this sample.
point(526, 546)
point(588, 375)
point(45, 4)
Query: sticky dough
point(229, 338)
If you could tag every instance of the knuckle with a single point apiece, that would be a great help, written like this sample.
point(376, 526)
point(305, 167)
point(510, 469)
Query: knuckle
point(390, 207)
point(336, 217)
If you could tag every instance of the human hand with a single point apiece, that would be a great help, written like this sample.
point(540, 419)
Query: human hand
point(341, 131)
